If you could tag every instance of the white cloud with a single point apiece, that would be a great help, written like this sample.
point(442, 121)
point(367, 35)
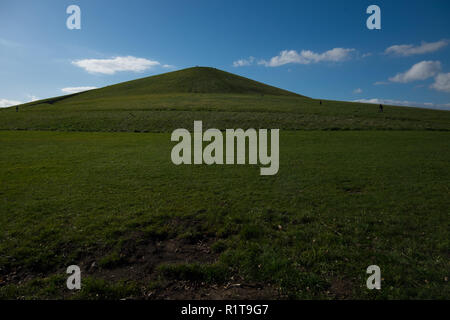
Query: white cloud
point(357, 91)
point(405, 103)
point(243, 62)
point(409, 49)
point(380, 83)
point(32, 98)
point(307, 57)
point(71, 90)
point(420, 71)
point(113, 65)
point(5, 103)
point(442, 82)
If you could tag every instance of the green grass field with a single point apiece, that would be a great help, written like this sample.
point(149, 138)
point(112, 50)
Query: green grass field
point(355, 188)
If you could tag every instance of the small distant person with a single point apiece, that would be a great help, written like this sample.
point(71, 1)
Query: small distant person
point(17, 108)
point(320, 102)
point(381, 108)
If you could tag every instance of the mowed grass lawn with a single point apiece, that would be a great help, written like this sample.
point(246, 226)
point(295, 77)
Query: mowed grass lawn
point(340, 202)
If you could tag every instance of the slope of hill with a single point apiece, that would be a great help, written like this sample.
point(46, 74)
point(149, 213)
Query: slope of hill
point(190, 80)
point(173, 100)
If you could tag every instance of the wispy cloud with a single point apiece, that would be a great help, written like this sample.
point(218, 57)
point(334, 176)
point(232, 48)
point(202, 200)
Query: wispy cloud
point(244, 62)
point(409, 49)
point(32, 98)
point(420, 71)
point(442, 82)
point(307, 57)
point(71, 90)
point(5, 103)
point(117, 64)
point(405, 103)
point(357, 91)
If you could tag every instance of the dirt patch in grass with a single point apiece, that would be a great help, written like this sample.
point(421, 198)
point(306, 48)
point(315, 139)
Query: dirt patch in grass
point(138, 263)
point(200, 291)
point(341, 289)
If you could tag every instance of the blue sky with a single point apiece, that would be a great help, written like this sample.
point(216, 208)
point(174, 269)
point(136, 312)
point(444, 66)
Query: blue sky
point(319, 48)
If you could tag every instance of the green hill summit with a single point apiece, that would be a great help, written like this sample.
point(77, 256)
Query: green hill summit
point(193, 80)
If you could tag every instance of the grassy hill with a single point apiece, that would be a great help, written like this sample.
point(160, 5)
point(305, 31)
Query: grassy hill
point(191, 80)
point(355, 188)
point(173, 100)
